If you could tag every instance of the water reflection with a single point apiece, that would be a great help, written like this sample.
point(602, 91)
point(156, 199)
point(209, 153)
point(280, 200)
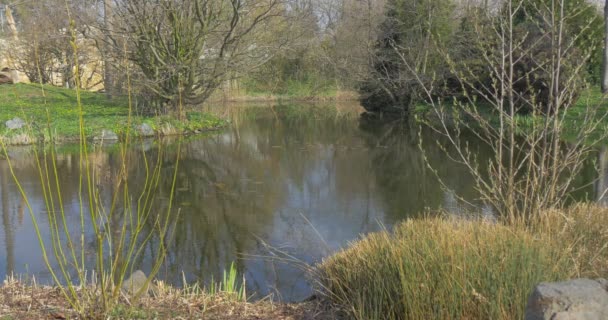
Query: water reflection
point(305, 180)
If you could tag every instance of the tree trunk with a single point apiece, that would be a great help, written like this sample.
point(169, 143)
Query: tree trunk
point(108, 79)
point(11, 21)
point(605, 64)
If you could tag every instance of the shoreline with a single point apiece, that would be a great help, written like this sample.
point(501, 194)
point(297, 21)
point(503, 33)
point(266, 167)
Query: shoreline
point(27, 139)
point(20, 300)
point(26, 114)
point(340, 96)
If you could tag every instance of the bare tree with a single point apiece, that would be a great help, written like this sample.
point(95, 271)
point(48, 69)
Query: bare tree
point(352, 30)
point(186, 49)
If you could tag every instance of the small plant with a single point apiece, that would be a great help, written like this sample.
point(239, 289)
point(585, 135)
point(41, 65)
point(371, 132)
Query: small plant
point(229, 285)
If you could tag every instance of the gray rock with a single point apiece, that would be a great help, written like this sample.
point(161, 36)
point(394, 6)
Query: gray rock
point(106, 135)
point(145, 130)
point(579, 299)
point(15, 123)
point(135, 283)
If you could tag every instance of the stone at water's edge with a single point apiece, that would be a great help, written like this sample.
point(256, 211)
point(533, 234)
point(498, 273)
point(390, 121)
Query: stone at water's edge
point(579, 299)
point(15, 123)
point(145, 130)
point(135, 283)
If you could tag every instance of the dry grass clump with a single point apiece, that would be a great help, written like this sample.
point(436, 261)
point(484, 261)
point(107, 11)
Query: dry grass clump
point(582, 233)
point(436, 268)
point(20, 139)
point(166, 129)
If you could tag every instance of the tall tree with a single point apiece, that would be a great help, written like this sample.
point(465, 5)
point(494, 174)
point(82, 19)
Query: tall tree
point(605, 64)
point(406, 52)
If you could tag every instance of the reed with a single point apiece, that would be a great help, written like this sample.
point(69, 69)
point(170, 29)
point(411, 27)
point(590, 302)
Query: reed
point(120, 228)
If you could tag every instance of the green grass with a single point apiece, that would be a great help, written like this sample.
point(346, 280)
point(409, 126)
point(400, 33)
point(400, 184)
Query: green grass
point(590, 100)
point(27, 102)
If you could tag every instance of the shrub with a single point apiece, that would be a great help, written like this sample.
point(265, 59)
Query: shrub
point(441, 269)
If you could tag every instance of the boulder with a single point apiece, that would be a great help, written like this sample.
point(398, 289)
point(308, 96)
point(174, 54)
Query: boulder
point(145, 130)
point(136, 283)
point(5, 79)
point(579, 299)
point(6, 76)
point(106, 135)
point(15, 123)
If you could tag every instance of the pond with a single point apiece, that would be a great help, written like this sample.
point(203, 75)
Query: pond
point(283, 183)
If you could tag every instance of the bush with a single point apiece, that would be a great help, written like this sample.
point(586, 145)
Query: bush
point(441, 269)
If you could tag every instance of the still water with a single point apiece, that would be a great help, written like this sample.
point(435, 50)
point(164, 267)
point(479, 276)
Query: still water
point(303, 180)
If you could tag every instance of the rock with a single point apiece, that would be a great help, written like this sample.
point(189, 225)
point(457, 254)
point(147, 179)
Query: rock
point(15, 123)
point(6, 77)
point(145, 130)
point(106, 135)
point(579, 299)
point(135, 283)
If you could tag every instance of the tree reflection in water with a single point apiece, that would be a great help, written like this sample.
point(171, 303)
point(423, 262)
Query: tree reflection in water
point(303, 179)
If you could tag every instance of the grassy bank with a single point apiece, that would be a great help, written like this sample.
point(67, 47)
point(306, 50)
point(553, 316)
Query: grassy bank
point(590, 100)
point(440, 268)
point(29, 102)
point(590, 108)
